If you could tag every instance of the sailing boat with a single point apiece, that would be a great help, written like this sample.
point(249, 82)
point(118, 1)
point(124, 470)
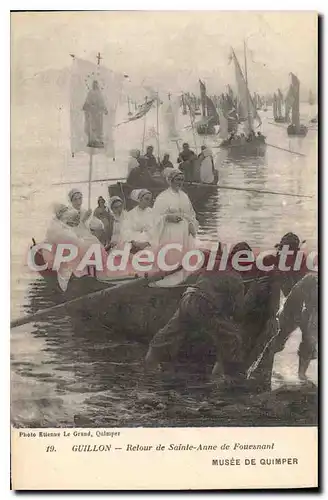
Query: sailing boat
point(295, 128)
point(129, 106)
point(277, 108)
point(311, 98)
point(206, 126)
point(248, 143)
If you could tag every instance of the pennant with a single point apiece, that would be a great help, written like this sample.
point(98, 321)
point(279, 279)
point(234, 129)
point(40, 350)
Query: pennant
point(94, 94)
point(142, 111)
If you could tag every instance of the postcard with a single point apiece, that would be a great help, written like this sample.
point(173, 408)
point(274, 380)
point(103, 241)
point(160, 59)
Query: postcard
point(164, 250)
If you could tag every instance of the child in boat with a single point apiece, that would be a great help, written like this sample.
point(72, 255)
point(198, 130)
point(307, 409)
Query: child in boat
point(103, 214)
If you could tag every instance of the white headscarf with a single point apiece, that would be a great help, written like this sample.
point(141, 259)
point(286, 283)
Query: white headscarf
point(171, 173)
point(137, 194)
point(112, 200)
point(72, 193)
point(59, 209)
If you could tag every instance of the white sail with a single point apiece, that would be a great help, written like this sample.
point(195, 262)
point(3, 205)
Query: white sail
point(223, 133)
point(247, 109)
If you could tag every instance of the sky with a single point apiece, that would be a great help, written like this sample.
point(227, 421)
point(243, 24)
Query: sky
point(172, 50)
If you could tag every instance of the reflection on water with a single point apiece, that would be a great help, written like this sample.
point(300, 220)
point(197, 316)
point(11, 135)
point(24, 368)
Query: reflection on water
point(72, 371)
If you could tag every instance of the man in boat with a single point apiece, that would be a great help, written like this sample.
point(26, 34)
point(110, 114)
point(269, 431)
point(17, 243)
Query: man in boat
point(140, 176)
point(133, 159)
point(166, 163)
point(262, 303)
point(214, 306)
point(186, 160)
point(301, 310)
point(151, 161)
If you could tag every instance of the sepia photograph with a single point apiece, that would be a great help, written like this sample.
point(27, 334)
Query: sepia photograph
point(164, 219)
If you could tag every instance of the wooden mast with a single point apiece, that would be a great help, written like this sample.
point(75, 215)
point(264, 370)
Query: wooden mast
point(247, 97)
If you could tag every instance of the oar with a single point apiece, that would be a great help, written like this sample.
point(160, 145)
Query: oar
point(284, 149)
point(85, 182)
point(93, 295)
point(253, 190)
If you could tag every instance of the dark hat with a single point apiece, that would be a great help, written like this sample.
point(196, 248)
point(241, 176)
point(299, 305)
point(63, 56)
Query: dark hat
point(291, 240)
point(239, 247)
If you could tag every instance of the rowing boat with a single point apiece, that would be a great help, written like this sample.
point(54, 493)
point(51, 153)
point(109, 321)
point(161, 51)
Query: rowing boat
point(255, 147)
point(197, 192)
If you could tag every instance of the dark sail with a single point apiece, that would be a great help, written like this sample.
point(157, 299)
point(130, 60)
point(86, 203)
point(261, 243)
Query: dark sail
point(203, 97)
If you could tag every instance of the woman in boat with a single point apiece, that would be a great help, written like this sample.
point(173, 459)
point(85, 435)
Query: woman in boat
point(166, 163)
point(174, 215)
point(207, 171)
point(63, 229)
point(102, 213)
point(76, 199)
point(88, 226)
point(138, 224)
point(118, 214)
point(133, 160)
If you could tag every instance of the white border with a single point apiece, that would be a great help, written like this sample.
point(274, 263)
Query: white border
point(320, 6)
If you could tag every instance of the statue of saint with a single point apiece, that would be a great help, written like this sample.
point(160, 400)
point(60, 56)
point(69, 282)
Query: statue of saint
point(94, 108)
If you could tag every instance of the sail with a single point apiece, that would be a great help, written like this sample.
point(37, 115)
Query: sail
point(211, 110)
point(296, 100)
point(94, 94)
point(289, 103)
point(275, 106)
point(247, 110)
point(223, 132)
point(279, 103)
point(203, 96)
point(228, 108)
point(311, 98)
point(189, 103)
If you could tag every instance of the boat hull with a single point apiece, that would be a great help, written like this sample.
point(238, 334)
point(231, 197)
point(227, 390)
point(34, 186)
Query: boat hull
point(280, 119)
point(300, 131)
point(205, 130)
point(252, 148)
point(197, 193)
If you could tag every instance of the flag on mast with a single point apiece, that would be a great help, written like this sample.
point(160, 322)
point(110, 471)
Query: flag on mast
point(142, 111)
point(94, 94)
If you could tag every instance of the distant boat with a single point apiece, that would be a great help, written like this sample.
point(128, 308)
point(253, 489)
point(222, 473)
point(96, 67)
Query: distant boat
point(277, 107)
point(206, 126)
point(311, 98)
point(250, 143)
point(295, 128)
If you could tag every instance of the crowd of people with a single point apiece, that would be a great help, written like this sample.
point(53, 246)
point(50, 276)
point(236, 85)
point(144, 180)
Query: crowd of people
point(238, 318)
point(170, 218)
point(243, 139)
point(146, 170)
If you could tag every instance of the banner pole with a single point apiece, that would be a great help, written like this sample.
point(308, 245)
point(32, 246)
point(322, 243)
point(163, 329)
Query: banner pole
point(144, 131)
point(90, 178)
